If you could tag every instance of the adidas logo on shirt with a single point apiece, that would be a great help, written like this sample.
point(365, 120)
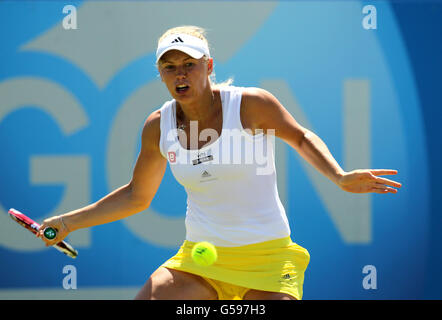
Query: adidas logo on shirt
point(207, 177)
point(205, 174)
point(177, 40)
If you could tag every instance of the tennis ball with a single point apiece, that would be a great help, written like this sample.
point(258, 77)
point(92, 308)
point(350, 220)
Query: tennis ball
point(204, 253)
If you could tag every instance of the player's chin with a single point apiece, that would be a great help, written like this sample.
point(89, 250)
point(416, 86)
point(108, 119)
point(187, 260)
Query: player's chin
point(182, 97)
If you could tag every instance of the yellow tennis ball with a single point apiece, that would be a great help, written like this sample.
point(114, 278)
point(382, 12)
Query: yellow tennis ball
point(204, 253)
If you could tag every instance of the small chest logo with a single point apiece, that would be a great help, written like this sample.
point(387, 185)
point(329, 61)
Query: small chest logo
point(205, 174)
point(287, 279)
point(172, 156)
point(206, 177)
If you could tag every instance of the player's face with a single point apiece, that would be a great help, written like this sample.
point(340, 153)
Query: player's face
point(186, 78)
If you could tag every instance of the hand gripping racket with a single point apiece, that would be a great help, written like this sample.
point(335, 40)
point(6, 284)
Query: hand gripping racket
point(49, 233)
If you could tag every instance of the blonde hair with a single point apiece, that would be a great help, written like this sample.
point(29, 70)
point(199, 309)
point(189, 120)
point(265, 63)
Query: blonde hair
point(201, 34)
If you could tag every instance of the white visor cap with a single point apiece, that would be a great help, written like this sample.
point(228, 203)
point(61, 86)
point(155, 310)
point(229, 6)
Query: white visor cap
point(193, 46)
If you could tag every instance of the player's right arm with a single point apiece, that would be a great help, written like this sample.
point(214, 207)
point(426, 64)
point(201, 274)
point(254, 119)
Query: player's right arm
point(127, 200)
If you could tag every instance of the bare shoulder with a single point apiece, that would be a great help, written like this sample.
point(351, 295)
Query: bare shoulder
point(262, 110)
point(151, 130)
point(253, 95)
point(256, 106)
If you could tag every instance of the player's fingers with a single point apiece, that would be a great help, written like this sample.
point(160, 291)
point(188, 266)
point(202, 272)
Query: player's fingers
point(384, 189)
point(380, 172)
point(388, 182)
point(379, 190)
point(40, 230)
point(50, 242)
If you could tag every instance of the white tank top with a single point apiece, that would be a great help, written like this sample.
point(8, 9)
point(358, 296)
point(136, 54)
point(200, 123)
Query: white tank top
point(232, 195)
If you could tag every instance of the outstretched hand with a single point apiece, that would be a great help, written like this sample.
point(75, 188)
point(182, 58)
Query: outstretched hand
point(368, 180)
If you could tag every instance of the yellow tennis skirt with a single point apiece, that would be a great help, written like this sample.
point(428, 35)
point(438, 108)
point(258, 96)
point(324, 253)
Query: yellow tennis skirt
point(276, 265)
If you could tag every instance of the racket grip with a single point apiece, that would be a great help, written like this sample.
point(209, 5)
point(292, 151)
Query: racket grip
point(50, 233)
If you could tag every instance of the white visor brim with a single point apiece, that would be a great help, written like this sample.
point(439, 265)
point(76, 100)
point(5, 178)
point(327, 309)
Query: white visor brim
point(193, 46)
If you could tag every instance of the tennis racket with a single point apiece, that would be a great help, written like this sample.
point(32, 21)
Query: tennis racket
point(49, 233)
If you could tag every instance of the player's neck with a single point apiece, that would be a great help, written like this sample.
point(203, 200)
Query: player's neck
point(200, 110)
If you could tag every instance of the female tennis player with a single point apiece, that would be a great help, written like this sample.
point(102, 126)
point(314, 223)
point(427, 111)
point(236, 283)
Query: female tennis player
point(231, 203)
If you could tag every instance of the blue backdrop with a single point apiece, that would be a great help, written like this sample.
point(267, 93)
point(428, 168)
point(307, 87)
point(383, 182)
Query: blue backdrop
point(73, 101)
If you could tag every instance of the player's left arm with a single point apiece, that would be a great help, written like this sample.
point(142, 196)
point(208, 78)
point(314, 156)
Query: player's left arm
point(261, 110)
